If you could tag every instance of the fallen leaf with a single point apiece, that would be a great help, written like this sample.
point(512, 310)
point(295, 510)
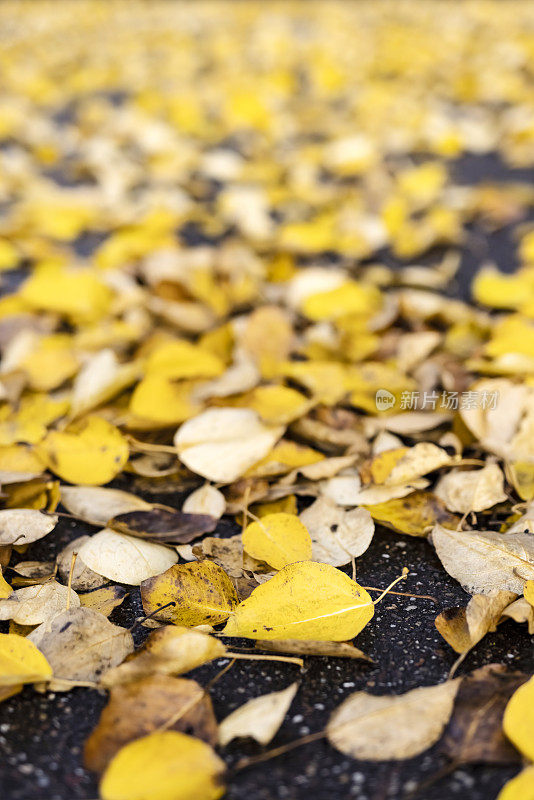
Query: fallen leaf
point(21, 661)
point(162, 525)
point(206, 501)
point(518, 721)
point(222, 443)
point(311, 648)
point(305, 600)
point(144, 706)
point(91, 451)
point(414, 515)
point(279, 539)
point(167, 651)
point(23, 525)
point(227, 553)
point(103, 600)
point(83, 579)
point(5, 589)
point(125, 559)
point(164, 766)
point(97, 505)
point(485, 561)
point(259, 718)
point(32, 605)
point(391, 727)
point(471, 490)
point(337, 535)
point(80, 645)
point(201, 593)
point(463, 628)
point(519, 788)
point(474, 734)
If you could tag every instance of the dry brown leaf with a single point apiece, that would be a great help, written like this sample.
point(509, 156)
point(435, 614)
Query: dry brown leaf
point(145, 706)
point(310, 648)
point(83, 578)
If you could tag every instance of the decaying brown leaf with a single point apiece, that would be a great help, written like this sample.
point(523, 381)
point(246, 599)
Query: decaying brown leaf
point(463, 628)
point(310, 648)
point(474, 733)
point(157, 702)
point(161, 525)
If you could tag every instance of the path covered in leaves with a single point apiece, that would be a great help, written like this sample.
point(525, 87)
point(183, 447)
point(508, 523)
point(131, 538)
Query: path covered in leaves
point(267, 483)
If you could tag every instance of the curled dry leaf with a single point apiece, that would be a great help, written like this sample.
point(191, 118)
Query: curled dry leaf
point(200, 593)
point(337, 535)
point(125, 559)
point(518, 722)
point(305, 600)
point(279, 539)
point(97, 505)
point(521, 611)
point(206, 500)
point(475, 731)
point(222, 443)
point(259, 718)
point(83, 579)
point(462, 628)
point(167, 651)
point(32, 605)
point(471, 490)
point(21, 661)
point(484, 561)
point(164, 766)
point(80, 645)
point(393, 727)
point(162, 525)
point(311, 648)
point(24, 525)
point(145, 706)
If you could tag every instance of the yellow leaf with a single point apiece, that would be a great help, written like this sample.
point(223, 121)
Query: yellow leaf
point(74, 293)
point(19, 458)
point(305, 600)
point(519, 788)
point(522, 477)
point(277, 405)
point(201, 593)
point(278, 539)
point(50, 363)
point(528, 592)
point(89, 452)
point(21, 661)
point(164, 766)
point(181, 359)
point(159, 399)
point(518, 721)
point(349, 298)
point(5, 588)
point(415, 514)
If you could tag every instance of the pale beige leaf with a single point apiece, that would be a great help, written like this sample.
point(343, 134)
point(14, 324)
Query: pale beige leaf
point(83, 578)
point(32, 605)
point(97, 505)
point(484, 561)
point(80, 645)
point(24, 525)
point(222, 443)
point(126, 559)
point(206, 500)
point(471, 490)
point(259, 718)
point(337, 535)
point(391, 727)
point(463, 628)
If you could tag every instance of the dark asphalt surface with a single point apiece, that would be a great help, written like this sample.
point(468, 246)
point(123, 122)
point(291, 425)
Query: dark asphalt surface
point(42, 735)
